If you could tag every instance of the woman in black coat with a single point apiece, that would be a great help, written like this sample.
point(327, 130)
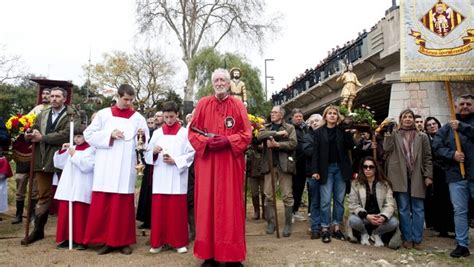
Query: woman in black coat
point(332, 167)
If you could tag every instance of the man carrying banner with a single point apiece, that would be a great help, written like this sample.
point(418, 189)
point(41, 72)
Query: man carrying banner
point(461, 188)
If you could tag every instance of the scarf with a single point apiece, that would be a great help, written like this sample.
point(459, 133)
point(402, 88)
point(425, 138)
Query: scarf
point(408, 136)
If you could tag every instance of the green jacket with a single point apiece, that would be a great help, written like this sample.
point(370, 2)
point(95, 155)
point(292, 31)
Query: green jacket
point(286, 151)
point(51, 142)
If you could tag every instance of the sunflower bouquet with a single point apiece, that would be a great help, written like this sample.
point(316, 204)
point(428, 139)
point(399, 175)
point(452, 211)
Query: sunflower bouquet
point(19, 124)
point(256, 123)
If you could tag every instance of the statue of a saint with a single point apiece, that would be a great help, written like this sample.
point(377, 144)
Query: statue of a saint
point(349, 91)
point(237, 87)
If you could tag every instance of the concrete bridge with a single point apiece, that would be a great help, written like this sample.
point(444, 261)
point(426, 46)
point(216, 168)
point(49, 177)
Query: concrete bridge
point(375, 56)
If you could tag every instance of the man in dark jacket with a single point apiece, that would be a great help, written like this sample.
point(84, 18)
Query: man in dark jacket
point(461, 188)
point(281, 138)
point(50, 131)
point(299, 178)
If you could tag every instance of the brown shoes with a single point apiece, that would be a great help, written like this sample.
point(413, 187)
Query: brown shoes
point(417, 246)
point(407, 244)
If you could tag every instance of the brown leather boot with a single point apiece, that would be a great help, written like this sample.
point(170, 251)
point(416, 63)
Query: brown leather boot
point(38, 231)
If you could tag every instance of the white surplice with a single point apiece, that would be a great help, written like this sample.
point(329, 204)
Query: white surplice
point(167, 178)
point(77, 175)
point(115, 160)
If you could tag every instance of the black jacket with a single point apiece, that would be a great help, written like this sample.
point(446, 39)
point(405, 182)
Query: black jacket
point(444, 147)
point(320, 158)
point(308, 148)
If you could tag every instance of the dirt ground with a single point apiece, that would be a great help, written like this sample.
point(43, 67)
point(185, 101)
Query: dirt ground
point(262, 250)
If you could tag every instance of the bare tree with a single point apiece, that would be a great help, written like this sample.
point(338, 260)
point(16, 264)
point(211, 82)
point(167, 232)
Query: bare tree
point(205, 22)
point(10, 65)
point(146, 70)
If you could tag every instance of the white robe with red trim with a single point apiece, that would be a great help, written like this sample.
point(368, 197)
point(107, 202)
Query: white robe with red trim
point(115, 159)
point(76, 179)
point(170, 179)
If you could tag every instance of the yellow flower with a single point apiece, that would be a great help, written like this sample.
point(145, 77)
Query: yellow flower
point(22, 129)
point(9, 124)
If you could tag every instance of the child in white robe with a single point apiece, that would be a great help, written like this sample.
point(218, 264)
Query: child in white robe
point(75, 185)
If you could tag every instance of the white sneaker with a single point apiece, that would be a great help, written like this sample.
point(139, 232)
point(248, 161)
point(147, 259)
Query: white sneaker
point(364, 239)
point(299, 216)
point(378, 241)
point(155, 250)
point(182, 250)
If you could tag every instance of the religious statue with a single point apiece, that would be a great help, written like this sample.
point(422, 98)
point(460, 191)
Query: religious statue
point(442, 19)
point(237, 87)
point(349, 91)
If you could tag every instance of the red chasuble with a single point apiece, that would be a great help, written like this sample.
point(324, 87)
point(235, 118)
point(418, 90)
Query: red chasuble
point(219, 203)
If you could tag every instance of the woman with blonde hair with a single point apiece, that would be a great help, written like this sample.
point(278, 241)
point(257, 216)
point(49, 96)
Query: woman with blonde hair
point(331, 167)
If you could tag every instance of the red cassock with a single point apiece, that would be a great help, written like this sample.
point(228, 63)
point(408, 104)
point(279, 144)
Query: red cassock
point(80, 211)
point(219, 203)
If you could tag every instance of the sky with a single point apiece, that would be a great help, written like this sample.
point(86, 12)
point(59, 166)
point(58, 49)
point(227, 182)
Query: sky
point(56, 38)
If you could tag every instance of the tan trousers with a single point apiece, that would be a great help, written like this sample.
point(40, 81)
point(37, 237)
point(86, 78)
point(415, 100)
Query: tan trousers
point(22, 186)
point(45, 181)
point(285, 182)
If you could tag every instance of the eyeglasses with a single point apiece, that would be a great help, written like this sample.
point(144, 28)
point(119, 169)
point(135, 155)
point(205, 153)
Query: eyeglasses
point(368, 167)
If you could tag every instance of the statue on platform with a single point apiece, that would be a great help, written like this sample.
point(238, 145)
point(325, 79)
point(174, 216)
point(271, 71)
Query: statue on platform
point(237, 87)
point(349, 91)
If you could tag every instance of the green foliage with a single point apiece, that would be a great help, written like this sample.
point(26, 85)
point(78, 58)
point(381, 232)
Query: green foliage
point(208, 59)
point(16, 99)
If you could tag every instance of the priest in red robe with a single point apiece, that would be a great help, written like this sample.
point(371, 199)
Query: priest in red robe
point(220, 133)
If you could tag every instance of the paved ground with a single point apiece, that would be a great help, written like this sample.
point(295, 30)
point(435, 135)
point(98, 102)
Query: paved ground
point(263, 250)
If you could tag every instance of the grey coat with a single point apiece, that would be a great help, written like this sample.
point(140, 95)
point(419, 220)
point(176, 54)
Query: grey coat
point(385, 200)
point(397, 168)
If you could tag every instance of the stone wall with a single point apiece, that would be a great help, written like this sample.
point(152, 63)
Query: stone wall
point(425, 98)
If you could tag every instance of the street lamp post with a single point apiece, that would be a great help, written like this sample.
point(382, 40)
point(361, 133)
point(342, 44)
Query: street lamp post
point(266, 77)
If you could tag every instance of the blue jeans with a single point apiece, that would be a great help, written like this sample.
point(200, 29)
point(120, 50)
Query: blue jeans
point(460, 192)
point(335, 189)
point(412, 216)
point(315, 205)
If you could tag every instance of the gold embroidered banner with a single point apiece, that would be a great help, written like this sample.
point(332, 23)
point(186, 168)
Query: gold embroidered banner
point(437, 40)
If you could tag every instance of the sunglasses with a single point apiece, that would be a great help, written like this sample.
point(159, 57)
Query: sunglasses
point(369, 167)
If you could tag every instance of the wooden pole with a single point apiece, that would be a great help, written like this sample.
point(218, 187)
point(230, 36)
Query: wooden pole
point(374, 141)
point(453, 117)
point(71, 144)
point(272, 174)
point(29, 195)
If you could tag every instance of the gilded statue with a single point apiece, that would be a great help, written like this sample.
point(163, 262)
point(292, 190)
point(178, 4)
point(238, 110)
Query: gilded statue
point(237, 87)
point(349, 91)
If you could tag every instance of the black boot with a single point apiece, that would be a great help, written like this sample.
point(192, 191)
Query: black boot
point(20, 205)
point(288, 217)
point(38, 231)
point(270, 216)
point(256, 208)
